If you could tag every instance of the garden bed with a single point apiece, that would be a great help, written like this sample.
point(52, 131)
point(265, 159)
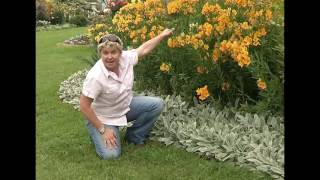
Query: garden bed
point(252, 140)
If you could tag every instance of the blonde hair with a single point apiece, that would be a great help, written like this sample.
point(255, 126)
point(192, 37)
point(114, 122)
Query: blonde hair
point(110, 41)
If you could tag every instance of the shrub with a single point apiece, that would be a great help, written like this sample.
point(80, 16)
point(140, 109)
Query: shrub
point(230, 46)
point(79, 20)
point(57, 17)
point(41, 10)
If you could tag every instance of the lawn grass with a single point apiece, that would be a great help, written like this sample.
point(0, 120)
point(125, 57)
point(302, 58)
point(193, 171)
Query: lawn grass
point(63, 147)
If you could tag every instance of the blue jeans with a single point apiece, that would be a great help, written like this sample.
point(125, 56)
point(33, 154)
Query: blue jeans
point(144, 111)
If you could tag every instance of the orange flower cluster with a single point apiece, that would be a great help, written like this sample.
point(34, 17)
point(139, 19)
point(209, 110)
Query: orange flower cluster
point(205, 30)
point(245, 26)
point(143, 20)
point(184, 6)
point(238, 51)
point(223, 21)
point(256, 36)
point(215, 54)
point(240, 33)
point(138, 19)
point(238, 48)
point(195, 40)
point(98, 37)
point(96, 31)
point(142, 33)
point(253, 16)
point(155, 30)
point(183, 40)
point(221, 18)
point(132, 15)
point(173, 7)
point(241, 3)
point(268, 15)
point(124, 23)
point(218, 31)
point(153, 10)
point(210, 9)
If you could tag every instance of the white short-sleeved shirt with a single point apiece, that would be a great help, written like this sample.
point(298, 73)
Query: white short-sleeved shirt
point(112, 94)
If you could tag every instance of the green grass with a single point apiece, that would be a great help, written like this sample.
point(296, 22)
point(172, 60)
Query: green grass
point(63, 147)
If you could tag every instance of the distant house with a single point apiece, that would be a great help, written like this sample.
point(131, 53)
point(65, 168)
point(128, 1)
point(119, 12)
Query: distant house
point(98, 5)
point(101, 6)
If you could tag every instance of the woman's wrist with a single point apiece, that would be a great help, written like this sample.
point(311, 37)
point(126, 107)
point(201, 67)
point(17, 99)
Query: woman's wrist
point(102, 129)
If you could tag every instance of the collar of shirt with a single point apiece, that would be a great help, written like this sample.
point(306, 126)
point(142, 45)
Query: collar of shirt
point(108, 73)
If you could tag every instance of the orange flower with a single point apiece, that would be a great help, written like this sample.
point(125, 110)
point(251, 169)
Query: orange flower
point(143, 37)
point(223, 46)
point(132, 34)
point(225, 86)
point(134, 41)
point(137, 20)
point(172, 43)
point(256, 41)
point(202, 69)
point(144, 30)
point(247, 41)
point(173, 7)
point(203, 93)
point(262, 32)
point(206, 29)
point(152, 34)
point(268, 15)
point(165, 67)
point(215, 54)
point(245, 26)
point(261, 84)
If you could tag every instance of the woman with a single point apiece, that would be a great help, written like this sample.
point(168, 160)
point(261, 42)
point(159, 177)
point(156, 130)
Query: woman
point(107, 101)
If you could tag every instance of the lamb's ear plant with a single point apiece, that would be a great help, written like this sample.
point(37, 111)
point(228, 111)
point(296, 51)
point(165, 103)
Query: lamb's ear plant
point(248, 139)
point(252, 140)
point(70, 89)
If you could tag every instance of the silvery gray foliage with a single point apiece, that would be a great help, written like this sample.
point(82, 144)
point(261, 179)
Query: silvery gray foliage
point(55, 27)
point(255, 141)
point(70, 89)
point(42, 23)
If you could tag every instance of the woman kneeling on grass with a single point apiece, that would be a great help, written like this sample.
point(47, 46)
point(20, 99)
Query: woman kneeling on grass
point(107, 101)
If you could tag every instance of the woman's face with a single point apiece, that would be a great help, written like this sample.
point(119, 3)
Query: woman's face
point(110, 57)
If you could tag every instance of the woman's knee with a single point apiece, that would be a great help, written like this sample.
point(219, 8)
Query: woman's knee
point(109, 155)
point(159, 103)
